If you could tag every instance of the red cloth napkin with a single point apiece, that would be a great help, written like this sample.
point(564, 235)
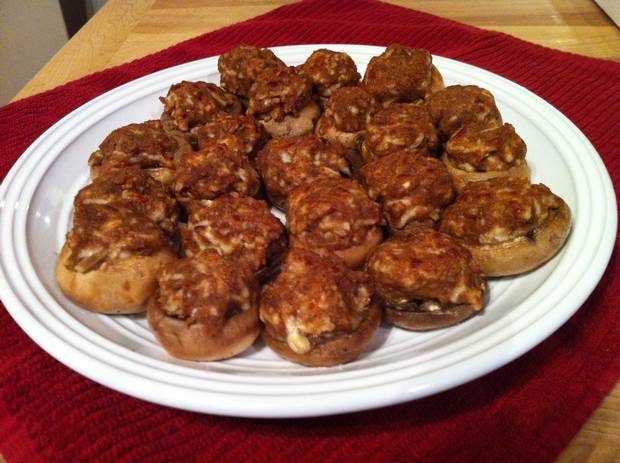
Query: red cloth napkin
point(527, 411)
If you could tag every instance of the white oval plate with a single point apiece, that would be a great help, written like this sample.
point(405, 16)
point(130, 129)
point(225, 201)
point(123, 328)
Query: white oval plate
point(121, 353)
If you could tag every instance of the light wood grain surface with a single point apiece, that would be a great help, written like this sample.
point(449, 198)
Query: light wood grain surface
point(125, 30)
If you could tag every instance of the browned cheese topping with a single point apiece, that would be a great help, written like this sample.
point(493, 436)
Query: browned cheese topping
point(190, 104)
point(239, 133)
point(314, 298)
point(331, 213)
point(399, 74)
point(233, 225)
point(498, 210)
point(460, 105)
point(278, 92)
point(213, 171)
point(475, 150)
point(348, 110)
point(240, 66)
point(103, 233)
point(329, 70)
point(145, 145)
point(424, 266)
point(286, 163)
point(400, 126)
point(208, 289)
point(410, 187)
point(137, 190)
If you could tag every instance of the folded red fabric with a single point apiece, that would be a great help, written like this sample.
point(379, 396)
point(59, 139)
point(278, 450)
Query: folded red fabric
point(526, 411)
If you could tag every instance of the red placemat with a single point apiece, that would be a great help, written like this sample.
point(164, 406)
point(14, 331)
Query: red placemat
point(526, 411)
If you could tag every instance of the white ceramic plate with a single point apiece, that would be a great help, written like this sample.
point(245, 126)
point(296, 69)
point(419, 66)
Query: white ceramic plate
point(121, 353)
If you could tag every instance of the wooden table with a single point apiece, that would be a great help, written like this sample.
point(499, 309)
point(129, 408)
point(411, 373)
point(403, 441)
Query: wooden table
point(125, 30)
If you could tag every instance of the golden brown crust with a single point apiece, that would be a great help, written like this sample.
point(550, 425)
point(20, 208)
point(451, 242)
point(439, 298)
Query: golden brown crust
point(239, 133)
point(146, 146)
point(278, 92)
point(191, 104)
point(508, 225)
point(286, 163)
point(335, 214)
point(136, 189)
point(213, 171)
point(346, 114)
point(411, 188)
point(110, 261)
point(206, 307)
point(400, 74)
point(397, 127)
point(329, 70)
point(240, 66)
point(459, 105)
point(425, 265)
point(317, 311)
point(104, 233)
point(235, 226)
point(528, 252)
point(498, 210)
point(475, 150)
point(460, 178)
point(120, 287)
